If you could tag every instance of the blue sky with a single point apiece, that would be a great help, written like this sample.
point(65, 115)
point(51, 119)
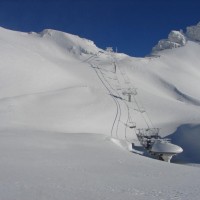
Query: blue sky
point(133, 26)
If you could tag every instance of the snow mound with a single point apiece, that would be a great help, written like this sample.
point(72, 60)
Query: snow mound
point(188, 136)
point(193, 32)
point(179, 38)
point(175, 39)
point(165, 147)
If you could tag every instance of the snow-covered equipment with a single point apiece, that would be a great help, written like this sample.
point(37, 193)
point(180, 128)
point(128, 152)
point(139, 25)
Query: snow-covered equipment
point(156, 146)
point(164, 149)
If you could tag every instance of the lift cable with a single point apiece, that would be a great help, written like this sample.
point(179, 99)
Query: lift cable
point(111, 94)
point(119, 107)
point(137, 104)
point(129, 119)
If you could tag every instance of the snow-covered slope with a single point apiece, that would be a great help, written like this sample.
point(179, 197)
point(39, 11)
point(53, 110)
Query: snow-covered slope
point(53, 82)
point(45, 85)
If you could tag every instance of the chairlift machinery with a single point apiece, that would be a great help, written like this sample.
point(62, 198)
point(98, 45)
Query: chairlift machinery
point(156, 146)
point(149, 138)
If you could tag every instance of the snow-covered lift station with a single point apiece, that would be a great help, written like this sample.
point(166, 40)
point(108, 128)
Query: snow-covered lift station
point(156, 146)
point(148, 137)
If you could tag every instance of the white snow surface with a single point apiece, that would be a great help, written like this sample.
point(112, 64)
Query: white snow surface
point(61, 102)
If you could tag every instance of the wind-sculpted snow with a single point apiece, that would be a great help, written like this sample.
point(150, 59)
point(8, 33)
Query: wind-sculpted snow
point(193, 32)
point(71, 43)
point(188, 136)
point(179, 38)
point(175, 39)
point(178, 95)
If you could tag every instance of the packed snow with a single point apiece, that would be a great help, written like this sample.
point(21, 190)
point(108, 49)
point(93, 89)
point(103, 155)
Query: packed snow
point(66, 117)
